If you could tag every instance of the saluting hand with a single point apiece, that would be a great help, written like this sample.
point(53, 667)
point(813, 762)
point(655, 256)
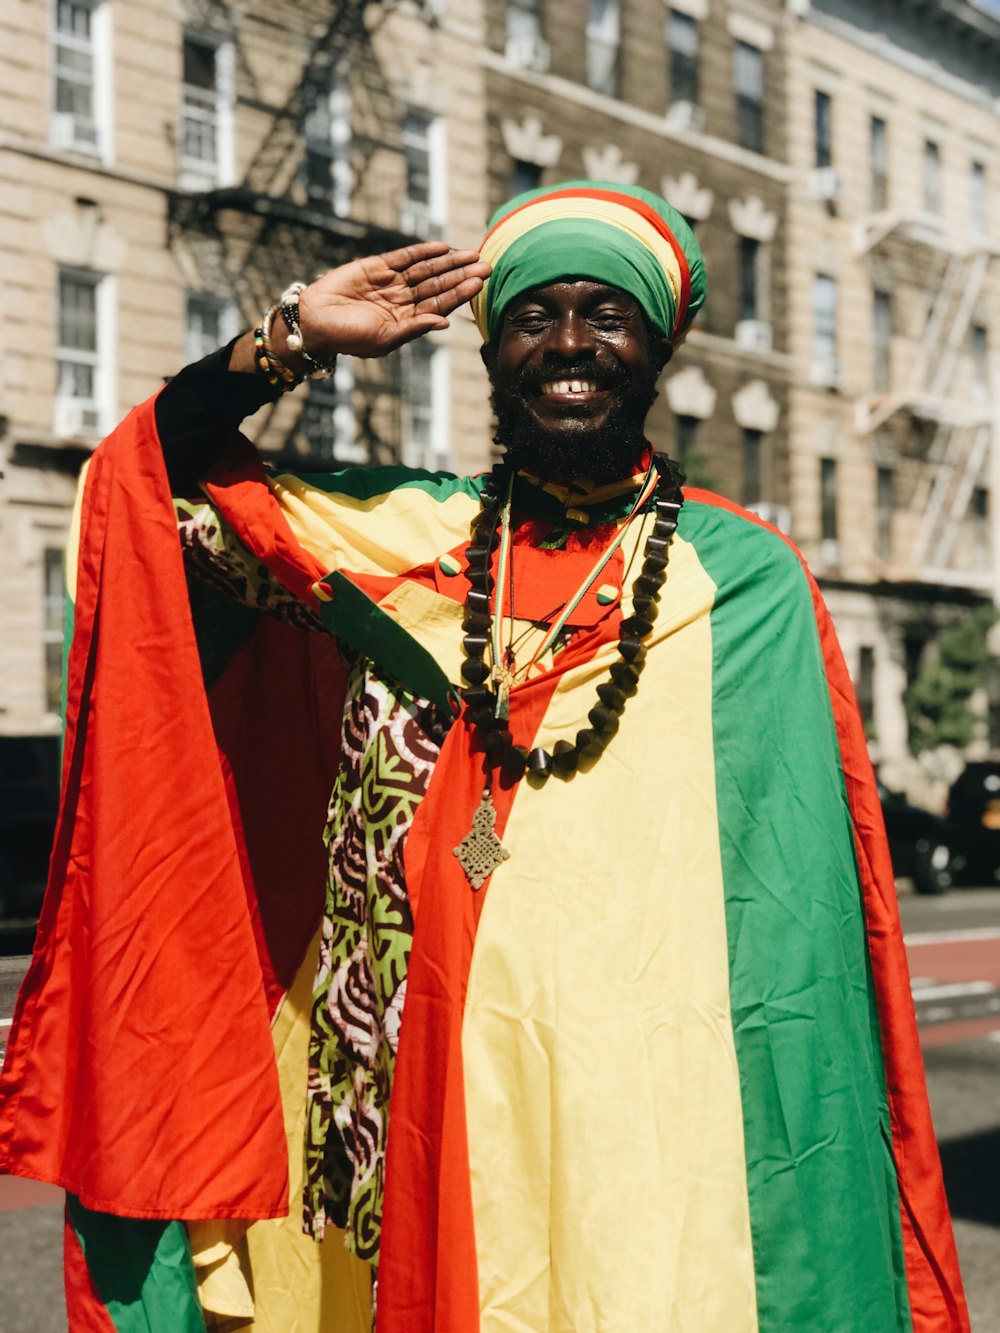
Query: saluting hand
point(371, 306)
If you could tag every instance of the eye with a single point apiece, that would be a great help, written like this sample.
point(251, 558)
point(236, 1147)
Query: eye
point(608, 317)
point(529, 320)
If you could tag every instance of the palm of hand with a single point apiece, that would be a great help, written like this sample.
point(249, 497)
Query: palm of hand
point(371, 306)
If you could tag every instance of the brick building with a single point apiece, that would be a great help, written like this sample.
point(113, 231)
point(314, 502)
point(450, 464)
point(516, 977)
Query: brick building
point(164, 172)
point(689, 103)
point(893, 248)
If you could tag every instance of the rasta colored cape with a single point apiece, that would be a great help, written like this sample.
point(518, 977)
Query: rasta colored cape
point(661, 1073)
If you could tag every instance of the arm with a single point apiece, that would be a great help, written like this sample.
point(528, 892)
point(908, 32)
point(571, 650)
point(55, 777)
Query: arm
point(367, 308)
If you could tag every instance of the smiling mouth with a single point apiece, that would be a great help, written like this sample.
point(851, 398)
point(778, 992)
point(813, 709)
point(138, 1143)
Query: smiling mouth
point(569, 389)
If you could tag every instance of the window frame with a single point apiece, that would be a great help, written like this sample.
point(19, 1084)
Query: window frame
point(604, 47)
point(749, 106)
point(878, 163)
point(419, 216)
point(64, 126)
point(683, 65)
point(331, 401)
point(931, 177)
point(197, 172)
point(334, 146)
point(825, 315)
point(227, 312)
point(69, 406)
point(426, 431)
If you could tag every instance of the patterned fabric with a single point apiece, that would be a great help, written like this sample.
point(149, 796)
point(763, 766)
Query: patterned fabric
point(391, 742)
point(619, 234)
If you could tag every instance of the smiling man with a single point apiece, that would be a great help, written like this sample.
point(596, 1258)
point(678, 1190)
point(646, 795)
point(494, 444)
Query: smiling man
point(593, 1017)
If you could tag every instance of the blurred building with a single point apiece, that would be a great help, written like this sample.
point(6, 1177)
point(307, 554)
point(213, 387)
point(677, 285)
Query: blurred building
point(894, 124)
point(686, 100)
point(165, 171)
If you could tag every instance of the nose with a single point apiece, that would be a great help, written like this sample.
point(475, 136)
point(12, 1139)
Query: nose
point(570, 337)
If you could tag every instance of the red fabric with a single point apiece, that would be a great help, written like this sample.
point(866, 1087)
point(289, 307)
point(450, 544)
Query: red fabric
point(937, 1301)
point(85, 1310)
point(142, 1022)
point(637, 206)
point(428, 1273)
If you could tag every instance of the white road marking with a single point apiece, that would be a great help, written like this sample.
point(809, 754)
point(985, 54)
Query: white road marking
point(952, 936)
point(954, 990)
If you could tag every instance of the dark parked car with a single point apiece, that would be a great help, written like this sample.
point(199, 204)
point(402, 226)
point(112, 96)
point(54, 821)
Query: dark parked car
point(920, 843)
point(974, 814)
point(29, 798)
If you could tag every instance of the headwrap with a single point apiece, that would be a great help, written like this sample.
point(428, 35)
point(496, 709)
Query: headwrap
point(618, 234)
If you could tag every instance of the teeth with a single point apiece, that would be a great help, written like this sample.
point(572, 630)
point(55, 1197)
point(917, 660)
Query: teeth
point(570, 386)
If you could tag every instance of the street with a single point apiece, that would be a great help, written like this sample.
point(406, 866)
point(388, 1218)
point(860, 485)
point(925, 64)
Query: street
point(953, 944)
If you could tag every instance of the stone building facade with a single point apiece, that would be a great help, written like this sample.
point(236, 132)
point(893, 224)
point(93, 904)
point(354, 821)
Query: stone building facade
point(165, 171)
point(894, 238)
point(686, 100)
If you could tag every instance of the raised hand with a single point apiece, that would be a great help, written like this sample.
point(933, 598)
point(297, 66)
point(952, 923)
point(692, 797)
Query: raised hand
point(372, 306)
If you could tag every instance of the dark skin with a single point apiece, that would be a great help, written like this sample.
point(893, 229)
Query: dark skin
point(575, 329)
point(574, 367)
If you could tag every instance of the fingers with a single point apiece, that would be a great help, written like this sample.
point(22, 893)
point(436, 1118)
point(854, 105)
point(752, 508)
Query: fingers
point(441, 283)
point(450, 298)
point(413, 254)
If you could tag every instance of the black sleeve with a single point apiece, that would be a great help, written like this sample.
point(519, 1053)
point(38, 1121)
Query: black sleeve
point(198, 411)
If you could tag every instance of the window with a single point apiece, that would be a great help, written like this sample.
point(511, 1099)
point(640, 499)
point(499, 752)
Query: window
point(748, 85)
point(604, 46)
point(53, 626)
point(423, 209)
point(881, 340)
point(980, 363)
point(749, 265)
point(824, 331)
point(828, 499)
point(752, 442)
point(328, 421)
point(885, 504)
point(210, 322)
point(865, 689)
point(79, 40)
point(682, 41)
point(80, 379)
point(525, 44)
point(932, 177)
point(878, 161)
point(425, 385)
point(687, 438)
point(206, 115)
point(524, 176)
point(326, 128)
point(977, 197)
point(823, 127)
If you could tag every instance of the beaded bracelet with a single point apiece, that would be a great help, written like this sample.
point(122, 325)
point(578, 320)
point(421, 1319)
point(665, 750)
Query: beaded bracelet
point(288, 304)
point(274, 365)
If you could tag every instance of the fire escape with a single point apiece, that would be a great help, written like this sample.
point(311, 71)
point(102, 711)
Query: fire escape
point(278, 223)
point(934, 418)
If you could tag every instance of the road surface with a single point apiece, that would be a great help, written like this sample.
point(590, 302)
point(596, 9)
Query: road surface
point(953, 945)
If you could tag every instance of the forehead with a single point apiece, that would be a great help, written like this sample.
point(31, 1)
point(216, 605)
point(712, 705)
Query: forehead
point(576, 293)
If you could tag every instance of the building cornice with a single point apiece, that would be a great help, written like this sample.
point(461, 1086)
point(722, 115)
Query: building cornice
point(626, 114)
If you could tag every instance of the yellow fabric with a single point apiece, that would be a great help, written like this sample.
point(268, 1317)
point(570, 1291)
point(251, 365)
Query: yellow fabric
point(610, 1197)
point(555, 210)
point(412, 527)
point(297, 1285)
point(433, 620)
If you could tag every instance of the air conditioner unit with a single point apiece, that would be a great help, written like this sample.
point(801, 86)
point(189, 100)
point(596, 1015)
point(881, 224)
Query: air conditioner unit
point(824, 375)
point(529, 53)
point(824, 184)
point(76, 416)
point(685, 116)
point(73, 132)
point(779, 516)
point(753, 334)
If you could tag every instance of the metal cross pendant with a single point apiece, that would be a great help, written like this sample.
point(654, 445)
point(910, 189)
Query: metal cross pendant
point(481, 851)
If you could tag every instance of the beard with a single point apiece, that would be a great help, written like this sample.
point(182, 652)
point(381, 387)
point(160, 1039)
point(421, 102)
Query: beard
point(600, 454)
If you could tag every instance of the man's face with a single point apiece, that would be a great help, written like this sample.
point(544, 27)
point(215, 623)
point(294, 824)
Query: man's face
point(574, 366)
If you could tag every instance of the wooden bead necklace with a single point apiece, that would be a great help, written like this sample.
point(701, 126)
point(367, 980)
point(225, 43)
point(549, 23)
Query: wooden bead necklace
point(485, 690)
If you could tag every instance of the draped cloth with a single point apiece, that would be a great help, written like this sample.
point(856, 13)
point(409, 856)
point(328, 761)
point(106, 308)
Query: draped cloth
point(671, 1038)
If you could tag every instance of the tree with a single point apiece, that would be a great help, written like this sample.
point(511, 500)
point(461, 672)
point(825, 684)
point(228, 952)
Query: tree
point(938, 703)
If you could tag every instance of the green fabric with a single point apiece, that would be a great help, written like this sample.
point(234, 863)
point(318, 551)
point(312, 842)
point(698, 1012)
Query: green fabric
point(587, 248)
point(366, 483)
point(141, 1270)
point(356, 619)
point(824, 1204)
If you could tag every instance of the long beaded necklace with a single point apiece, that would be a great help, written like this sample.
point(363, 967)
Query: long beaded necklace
point(486, 689)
